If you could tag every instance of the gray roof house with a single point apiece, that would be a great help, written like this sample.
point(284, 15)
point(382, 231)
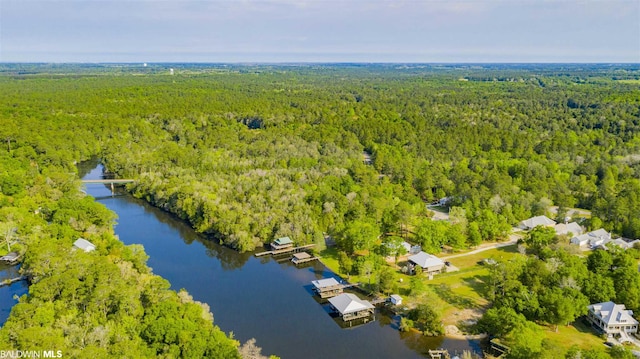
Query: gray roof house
point(84, 245)
point(592, 239)
point(328, 287)
point(430, 264)
point(350, 307)
point(612, 319)
point(533, 222)
point(566, 228)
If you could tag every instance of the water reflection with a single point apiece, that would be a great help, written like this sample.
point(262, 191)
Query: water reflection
point(10, 293)
point(264, 298)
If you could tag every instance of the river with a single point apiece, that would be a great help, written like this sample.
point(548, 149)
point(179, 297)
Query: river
point(259, 298)
point(10, 293)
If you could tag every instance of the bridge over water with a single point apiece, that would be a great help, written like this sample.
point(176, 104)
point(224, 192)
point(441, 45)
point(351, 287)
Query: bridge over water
point(111, 182)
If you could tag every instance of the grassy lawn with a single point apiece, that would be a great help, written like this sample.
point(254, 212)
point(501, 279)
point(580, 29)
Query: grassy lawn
point(499, 254)
point(459, 291)
point(329, 257)
point(579, 334)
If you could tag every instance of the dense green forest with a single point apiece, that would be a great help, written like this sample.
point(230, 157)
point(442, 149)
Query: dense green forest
point(247, 154)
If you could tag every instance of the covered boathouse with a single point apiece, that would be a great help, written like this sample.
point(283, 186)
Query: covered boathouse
point(350, 307)
point(281, 243)
point(327, 288)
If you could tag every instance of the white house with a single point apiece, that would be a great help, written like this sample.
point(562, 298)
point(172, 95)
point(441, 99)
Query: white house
point(350, 307)
point(430, 264)
point(612, 319)
point(533, 222)
point(84, 245)
point(592, 239)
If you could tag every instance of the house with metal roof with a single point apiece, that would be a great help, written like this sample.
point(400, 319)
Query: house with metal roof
point(612, 319)
point(592, 239)
point(429, 263)
point(533, 222)
point(281, 243)
point(350, 307)
point(327, 288)
point(84, 245)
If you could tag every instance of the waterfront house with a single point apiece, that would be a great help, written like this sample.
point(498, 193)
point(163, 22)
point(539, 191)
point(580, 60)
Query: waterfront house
point(281, 243)
point(350, 307)
point(84, 245)
point(326, 288)
point(612, 319)
point(430, 264)
point(534, 222)
point(10, 258)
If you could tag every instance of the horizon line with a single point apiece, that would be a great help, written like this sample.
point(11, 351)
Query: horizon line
point(322, 62)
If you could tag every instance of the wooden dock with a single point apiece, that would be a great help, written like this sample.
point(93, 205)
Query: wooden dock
point(285, 251)
point(378, 300)
point(11, 281)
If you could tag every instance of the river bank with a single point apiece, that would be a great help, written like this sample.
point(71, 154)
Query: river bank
point(259, 298)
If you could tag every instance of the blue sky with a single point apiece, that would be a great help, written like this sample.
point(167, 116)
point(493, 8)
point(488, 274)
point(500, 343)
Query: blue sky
point(319, 31)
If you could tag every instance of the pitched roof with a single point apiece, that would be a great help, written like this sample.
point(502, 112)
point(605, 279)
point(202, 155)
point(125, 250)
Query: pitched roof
point(349, 303)
point(301, 255)
point(533, 222)
point(10, 256)
point(283, 240)
point(573, 228)
point(593, 238)
point(612, 314)
point(84, 244)
point(426, 260)
point(599, 233)
point(323, 283)
point(620, 242)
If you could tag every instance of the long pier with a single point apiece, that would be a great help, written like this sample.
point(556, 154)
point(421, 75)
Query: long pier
point(285, 250)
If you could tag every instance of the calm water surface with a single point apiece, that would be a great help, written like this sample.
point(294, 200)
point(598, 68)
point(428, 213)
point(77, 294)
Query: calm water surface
point(256, 297)
point(10, 293)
